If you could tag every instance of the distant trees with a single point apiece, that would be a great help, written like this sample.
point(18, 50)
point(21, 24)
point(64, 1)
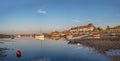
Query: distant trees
point(90, 24)
point(117, 27)
point(55, 33)
point(98, 28)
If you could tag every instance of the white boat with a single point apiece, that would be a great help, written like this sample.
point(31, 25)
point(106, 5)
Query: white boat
point(39, 37)
point(18, 36)
point(80, 37)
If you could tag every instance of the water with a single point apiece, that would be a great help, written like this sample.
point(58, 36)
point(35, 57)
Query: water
point(48, 50)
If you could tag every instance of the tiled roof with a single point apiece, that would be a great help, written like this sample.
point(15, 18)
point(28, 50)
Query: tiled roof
point(87, 26)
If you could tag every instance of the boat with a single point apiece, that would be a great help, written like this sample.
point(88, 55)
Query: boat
point(79, 37)
point(39, 37)
point(18, 36)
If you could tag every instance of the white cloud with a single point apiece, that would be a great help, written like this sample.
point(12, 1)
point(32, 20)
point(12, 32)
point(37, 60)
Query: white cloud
point(77, 21)
point(41, 11)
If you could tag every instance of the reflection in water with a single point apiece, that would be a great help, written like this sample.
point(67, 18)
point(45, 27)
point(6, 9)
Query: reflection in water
point(78, 44)
point(60, 50)
point(113, 52)
point(40, 39)
point(43, 59)
point(3, 52)
point(1, 42)
point(55, 38)
point(70, 42)
point(5, 39)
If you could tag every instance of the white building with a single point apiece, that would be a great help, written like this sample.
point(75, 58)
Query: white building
point(82, 29)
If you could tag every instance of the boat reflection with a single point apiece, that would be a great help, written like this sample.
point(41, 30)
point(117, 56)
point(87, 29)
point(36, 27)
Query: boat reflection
point(70, 42)
point(40, 38)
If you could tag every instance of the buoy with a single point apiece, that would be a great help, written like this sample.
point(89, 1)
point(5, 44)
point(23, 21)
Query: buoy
point(18, 53)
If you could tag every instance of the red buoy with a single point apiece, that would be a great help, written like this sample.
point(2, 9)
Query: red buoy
point(18, 53)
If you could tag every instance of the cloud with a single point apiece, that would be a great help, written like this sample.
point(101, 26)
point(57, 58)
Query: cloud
point(89, 19)
point(41, 11)
point(77, 21)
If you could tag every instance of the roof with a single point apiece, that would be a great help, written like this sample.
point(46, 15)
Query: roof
point(78, 27)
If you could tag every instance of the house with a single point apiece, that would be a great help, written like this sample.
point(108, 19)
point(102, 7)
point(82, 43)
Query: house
point(85, 28)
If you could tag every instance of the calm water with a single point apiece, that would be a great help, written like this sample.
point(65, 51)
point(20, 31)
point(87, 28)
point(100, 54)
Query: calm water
point(48, 50)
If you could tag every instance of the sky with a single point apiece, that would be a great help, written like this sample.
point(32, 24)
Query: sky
point(38, 16)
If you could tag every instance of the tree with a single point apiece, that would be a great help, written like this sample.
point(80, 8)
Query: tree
point(95, 28)
point(117, 27)
point(99, 29)
point(90, 24)
point(55, 33)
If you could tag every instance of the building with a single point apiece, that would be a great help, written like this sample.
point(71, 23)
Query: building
point(85, 28)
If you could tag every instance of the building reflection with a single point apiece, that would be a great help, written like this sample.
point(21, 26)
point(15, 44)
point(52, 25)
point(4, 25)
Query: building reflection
point(4, 50)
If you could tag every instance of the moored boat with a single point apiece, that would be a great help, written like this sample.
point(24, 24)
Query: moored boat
point(79, 37)
point(40, 37)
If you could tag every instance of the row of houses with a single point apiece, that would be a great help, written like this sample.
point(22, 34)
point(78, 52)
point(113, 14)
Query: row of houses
point(75, 31)
point(79, 29)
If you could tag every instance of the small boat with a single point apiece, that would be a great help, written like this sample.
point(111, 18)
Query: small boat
point(18, 36)
point(79, 38)
point(39, 37)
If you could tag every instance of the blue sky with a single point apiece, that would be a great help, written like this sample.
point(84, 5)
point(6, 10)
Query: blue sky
point(37, 16)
